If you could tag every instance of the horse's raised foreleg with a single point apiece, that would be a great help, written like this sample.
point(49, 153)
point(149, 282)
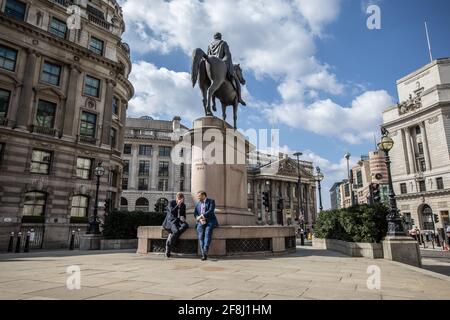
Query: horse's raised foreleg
point(235, 109)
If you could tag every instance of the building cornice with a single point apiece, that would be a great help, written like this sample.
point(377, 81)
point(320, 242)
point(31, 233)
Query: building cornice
point(416, 195)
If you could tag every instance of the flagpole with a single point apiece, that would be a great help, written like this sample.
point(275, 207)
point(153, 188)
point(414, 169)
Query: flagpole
point(429, 43)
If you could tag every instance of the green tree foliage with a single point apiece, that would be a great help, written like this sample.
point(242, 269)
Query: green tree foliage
point(363, 223)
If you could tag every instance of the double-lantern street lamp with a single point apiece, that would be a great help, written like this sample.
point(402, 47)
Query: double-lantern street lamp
point(395, 225)
point(94, 227)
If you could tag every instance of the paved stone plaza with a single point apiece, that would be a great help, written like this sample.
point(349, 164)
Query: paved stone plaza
point(307, 274)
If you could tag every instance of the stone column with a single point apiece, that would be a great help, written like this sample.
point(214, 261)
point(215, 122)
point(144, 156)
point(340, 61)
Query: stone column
point(123, 117)
point(70, 105)
point(410, 150)
point(406, 151)
point(107, 111)
point(426, 150)
point(26, 95)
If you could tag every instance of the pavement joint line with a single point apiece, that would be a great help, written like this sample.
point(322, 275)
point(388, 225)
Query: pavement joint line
point(420, 270)
point(204, 294)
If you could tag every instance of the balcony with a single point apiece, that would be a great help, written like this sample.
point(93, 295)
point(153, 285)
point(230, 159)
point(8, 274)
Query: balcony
point(64, 3)
point(43, 130)
point(100, 22)
point(87, 139)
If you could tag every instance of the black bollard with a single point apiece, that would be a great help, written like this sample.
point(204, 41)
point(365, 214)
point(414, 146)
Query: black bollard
point(27, 242)
point(11, 242)
point(72, 240)
point(18, 242)
point(302, 239)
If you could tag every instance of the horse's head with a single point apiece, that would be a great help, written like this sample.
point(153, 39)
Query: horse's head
point(238, 72)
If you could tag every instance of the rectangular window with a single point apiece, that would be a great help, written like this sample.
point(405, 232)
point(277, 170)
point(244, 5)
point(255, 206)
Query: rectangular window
point(145, 150)
point(91, 86)
point(127, 149)
point(115, 106)
point(96, 46)
point(113, 137)
point(144, 168)
point(88, 124)
point(440, 183)
point(8, 58)
point(163, 184)
point(58, 28)
point(40, 162)
point(51, 73)
point(4, 104)
point(163, 169)
point(347, 190)
point(403, 188)
point(84, 167)
point(423, 165)
point(126, 168)
point(112, 178)
point(143, 184)
point(124, 183)
point(96, 12)
point(34, 204)
point(422, 186)
point(420, 148)
point(45, 115)
point(164, 151)
point(359, 179)
point(80, 205)
point(15, 9)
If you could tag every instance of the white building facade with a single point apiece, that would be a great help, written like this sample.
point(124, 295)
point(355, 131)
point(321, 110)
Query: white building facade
point(420, 128)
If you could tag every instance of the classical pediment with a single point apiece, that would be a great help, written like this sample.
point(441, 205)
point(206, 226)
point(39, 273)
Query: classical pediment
point(49, 90)
point(287, 168)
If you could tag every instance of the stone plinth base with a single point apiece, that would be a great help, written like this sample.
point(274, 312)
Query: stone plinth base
point(402, 249)
point(352, 249)
point(90, 242)
point(226, 241)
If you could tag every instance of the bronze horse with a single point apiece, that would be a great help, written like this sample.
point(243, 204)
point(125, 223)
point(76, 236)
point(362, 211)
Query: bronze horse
point(211, 73)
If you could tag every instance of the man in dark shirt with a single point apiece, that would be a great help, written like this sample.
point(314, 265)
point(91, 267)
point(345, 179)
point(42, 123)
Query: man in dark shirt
point(175, 222)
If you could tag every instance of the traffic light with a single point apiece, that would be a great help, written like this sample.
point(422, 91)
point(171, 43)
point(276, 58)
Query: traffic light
point(436, 218)
point(266, 200)
point(107, 206)
point(376, 195)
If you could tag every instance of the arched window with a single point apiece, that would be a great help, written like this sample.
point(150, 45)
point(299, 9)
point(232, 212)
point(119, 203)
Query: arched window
point(34, 204)
point(142, 204)
point(123, 204)
point(80, 206)
point(427, 218)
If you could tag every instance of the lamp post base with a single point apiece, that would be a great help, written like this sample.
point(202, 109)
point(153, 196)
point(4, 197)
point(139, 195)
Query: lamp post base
point(90, 242)
point(402, 249)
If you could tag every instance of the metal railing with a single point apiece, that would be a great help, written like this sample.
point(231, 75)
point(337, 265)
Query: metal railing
point(43, 130)
point(87, 139)
point(100, 22)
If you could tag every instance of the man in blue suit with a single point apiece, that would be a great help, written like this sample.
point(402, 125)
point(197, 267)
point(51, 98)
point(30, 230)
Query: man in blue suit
point(206, 221)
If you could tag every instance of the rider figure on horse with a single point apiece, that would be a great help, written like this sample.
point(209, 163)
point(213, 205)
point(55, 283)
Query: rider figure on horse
point(219, 48)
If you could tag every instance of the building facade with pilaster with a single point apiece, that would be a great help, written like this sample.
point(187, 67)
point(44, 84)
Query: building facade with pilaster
point(420, 128)
point(64, 91)
point(150, 175)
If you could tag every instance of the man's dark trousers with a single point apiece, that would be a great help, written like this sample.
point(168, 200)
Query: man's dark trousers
point(176, 231)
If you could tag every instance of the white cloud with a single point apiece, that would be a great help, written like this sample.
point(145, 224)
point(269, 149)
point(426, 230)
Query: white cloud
point(162, 92)
point(278, 41)
point(353, 124)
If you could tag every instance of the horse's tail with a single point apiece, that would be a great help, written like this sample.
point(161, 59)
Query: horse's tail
point(197, 56)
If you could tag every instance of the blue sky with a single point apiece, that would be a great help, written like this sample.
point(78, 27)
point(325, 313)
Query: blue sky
point(313, 68)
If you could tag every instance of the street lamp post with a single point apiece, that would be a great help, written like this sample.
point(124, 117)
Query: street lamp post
point(350, 183)
point(395, 225)
point(300, 217)
point(94, 224)
point(320, 178)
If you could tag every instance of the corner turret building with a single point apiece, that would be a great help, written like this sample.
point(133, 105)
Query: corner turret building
point(64, 91)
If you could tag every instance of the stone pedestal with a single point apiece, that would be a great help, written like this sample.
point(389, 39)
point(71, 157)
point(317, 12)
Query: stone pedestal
point(90, 242)
point(402, 249)
point(219, 168)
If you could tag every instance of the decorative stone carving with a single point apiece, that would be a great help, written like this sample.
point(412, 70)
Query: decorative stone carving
point(413, 103)
point(91, 104)
point(433, 120)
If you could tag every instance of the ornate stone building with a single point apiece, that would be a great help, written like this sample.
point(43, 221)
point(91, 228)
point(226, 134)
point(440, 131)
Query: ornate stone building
point(149, 172)
point(420, 128)
point(280, 179)
point(64, 91)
